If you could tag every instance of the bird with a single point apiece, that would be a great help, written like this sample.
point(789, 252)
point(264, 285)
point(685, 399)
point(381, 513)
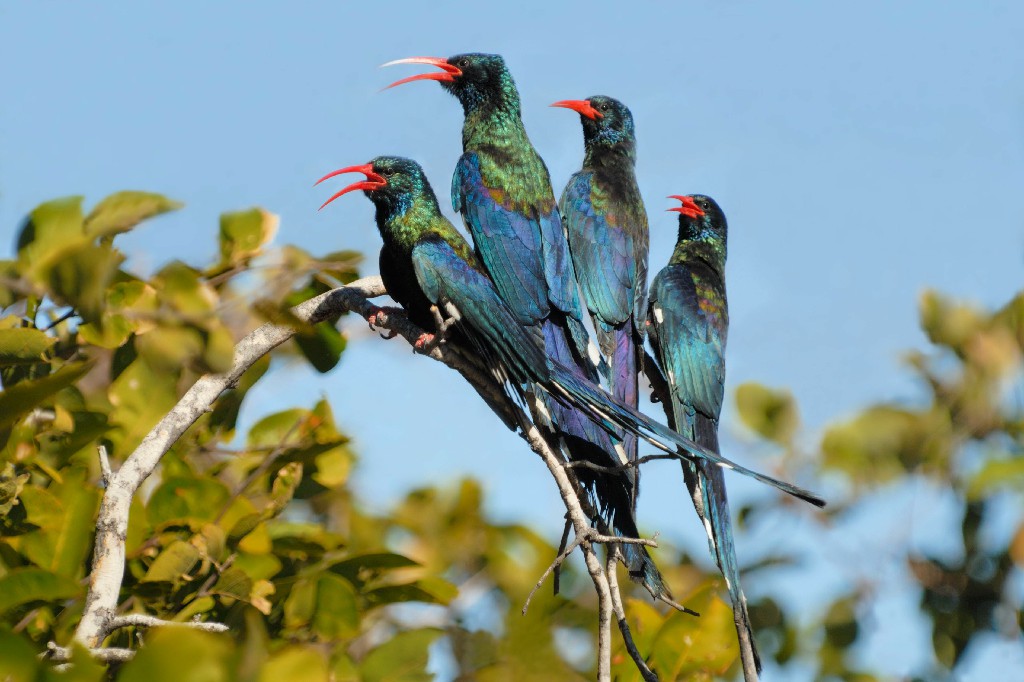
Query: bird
point(606, 225)
point(503, 191)
point(425, 262)
point(688, 322)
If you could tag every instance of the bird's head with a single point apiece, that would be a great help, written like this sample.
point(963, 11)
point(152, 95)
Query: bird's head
point(606, 121)
point(699, 217)
point(392, 183)
point(473, 78)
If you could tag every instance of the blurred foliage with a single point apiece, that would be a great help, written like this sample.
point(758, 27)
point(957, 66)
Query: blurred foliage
point(261, 530)
point(257, 529)
point(964, 435)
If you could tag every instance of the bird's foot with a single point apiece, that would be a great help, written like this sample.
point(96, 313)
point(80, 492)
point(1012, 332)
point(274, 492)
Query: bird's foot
point(442, 324)
point(378, 317)
point(426, 343)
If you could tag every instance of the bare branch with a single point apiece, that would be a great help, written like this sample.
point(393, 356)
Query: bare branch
point(105, 471)
point(99, 617)
point(108, 655)
point(614, 556)
point(143, 621)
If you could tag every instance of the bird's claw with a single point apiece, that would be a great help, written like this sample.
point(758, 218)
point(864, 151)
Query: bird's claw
point(425, 342)
point(374, 318)
point(389, 334)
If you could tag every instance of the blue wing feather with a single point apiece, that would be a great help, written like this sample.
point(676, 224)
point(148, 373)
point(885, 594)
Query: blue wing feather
point(603, 254)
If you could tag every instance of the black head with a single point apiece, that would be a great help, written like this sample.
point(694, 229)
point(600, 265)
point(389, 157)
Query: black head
point(700, 218)
point(474, 78)
point(393, 183)
point(606, 121)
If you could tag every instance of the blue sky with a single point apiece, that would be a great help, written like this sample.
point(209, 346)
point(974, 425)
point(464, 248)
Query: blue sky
point(862, 152)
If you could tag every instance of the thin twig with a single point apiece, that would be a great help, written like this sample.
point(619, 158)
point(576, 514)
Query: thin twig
point(140, 620)
point(63, 318)
point(556, 580)
point(614, 556)
point(584, 464)
point(105, 471)
point(562, 556)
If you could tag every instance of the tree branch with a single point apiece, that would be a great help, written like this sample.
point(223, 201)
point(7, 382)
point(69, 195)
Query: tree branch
point(99, 618)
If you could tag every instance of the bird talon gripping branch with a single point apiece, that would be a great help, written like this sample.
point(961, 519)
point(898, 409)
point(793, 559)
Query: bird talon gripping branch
point(374, 318)
point(425, 342)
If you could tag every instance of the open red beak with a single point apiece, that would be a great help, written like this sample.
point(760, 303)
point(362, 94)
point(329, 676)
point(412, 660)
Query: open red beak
point(372, 181)
point(689, 207)
point(580, 105)
point(449, 73)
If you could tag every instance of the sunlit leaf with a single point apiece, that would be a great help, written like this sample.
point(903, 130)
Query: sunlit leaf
point(122, 211)
point(23, 345)
point(243, 234)
point(173, 563)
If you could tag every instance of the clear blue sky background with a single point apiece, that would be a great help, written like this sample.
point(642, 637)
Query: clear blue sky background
point(862, 151)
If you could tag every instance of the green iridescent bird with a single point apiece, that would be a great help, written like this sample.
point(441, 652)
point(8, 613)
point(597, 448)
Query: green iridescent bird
point(688, 322)
point(606, 224)
point(503, 191)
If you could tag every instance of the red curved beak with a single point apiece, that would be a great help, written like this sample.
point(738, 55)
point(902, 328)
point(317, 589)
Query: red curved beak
point(580, 105)
point(449, 73)
point(372, 181)
point(689, 207)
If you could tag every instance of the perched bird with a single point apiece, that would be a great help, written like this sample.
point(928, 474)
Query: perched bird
point(425, 262)
point(606, 224)
point(503, 191)
point(688, 322)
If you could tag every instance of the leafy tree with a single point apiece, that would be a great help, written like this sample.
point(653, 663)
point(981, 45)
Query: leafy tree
point(262, 531)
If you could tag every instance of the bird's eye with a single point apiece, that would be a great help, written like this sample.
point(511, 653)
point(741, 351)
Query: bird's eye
point(603, 106)
point(463, 63)
point(389, 171)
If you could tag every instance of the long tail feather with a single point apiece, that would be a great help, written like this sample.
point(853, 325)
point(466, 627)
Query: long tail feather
point(585, 440)
point(706, 484)
point(613, 413)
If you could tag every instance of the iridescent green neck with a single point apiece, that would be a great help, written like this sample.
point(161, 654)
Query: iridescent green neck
point(404, 218)
point(707, 248)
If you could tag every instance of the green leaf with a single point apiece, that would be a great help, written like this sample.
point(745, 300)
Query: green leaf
point(193, 499)
point(23, 345)
point(79, 277)
point(295, 664)
point(175, 654)
point(23, 397)
point(337, 614)
point(355, 568)
point(25, 585)
point(436, 591)
point(65, 515)
point(18, 657)
point(278, 429)
point(122, 211)
point(300, 605)
point(172, 563)
point(243, 234)
point(52, 227)
point(233, 583)
point(323, 348)
point(403, 658)
point(770, 413)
